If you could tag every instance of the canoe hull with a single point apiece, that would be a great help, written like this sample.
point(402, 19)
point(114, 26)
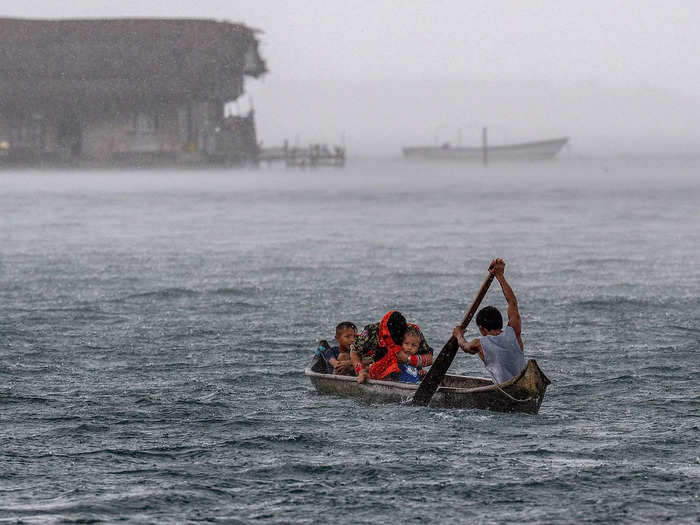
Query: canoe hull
point(523, 393)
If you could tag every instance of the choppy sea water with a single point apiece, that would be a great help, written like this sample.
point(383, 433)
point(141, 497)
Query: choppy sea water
point(154, 327)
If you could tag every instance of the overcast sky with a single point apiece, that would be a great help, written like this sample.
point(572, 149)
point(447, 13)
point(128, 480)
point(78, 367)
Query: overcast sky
point(615, 76)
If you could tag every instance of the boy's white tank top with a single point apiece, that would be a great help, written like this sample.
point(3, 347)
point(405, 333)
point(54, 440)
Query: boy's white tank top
point(503, 357)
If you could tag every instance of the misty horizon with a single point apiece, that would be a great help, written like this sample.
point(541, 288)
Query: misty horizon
point(636, 123)
point(616, 78)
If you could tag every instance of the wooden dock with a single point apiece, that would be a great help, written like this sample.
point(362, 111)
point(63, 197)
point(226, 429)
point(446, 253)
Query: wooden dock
point(313, 156)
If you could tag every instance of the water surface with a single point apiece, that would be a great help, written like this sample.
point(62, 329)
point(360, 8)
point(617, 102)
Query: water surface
point(154, 326)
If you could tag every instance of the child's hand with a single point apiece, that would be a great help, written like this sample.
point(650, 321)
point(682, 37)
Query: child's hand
point(458, 332)
point(363, 376)
point(343, 367)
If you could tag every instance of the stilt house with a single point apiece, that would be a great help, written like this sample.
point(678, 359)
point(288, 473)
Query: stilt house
point(136, 91)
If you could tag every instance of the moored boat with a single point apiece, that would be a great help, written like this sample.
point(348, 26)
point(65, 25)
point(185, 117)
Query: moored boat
point(524, 393)
point(526, 151)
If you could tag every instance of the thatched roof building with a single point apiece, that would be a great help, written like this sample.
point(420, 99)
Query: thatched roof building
point(50, 62)
point(140, 91)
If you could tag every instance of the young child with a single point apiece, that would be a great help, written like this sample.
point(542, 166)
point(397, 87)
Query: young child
point(338, 357)
point(410, 370)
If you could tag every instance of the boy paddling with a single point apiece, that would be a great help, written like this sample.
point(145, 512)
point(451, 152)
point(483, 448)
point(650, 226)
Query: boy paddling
point(500, 350)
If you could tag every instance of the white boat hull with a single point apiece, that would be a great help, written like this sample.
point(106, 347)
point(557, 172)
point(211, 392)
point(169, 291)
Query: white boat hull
point(526, 151)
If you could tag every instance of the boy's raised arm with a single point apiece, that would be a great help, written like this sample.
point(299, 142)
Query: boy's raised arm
point(499, 267)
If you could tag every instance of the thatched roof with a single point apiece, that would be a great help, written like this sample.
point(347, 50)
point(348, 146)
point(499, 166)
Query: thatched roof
point(130, 59)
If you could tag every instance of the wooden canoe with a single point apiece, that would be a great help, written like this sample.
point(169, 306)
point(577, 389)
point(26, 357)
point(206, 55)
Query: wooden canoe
point(523, 393)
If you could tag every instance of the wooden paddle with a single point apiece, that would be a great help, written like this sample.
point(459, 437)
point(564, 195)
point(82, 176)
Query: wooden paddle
point(436, 374)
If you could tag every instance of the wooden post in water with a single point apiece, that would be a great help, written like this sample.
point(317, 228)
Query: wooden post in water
point(485, 145)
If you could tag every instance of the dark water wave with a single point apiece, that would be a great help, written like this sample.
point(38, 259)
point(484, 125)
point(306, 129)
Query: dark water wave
point(236, 292)
point(164, 293)
point(10, 398)
point(610, 303)
point(690, 329)
point(171, 293)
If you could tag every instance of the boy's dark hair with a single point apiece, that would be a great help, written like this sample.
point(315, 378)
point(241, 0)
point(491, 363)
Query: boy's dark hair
point(489, 318)
point(345, 325)
point(397, 326)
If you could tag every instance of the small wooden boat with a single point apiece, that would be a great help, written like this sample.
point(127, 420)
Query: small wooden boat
point(523, 393)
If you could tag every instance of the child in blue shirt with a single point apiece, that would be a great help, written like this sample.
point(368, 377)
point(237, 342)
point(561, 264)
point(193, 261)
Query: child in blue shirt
point(338, 357)
point(411, 370)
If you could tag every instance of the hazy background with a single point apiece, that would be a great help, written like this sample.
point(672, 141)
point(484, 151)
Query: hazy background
point(154, 323)
point(618, 77)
